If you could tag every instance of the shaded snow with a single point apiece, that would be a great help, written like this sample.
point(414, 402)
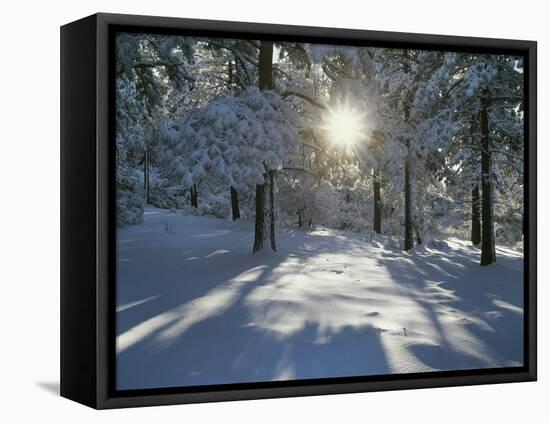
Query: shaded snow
point(195, 307)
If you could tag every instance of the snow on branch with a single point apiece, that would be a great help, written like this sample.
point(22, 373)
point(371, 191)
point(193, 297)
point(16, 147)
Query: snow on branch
point(316, 102)
point(232, 140)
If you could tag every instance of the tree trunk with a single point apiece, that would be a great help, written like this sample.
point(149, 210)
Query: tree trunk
point(300, 221)
point(235, 204)
point(265, 82)
point(377, 224)
point(265, 65)
point(409, 229)
point(418, 237)
point(259, 221)
point(194, 196)
point(272, 210)
point(146, 175)
point(476, 223)
point(488, 253)
point(230, 73)
point(409, 240)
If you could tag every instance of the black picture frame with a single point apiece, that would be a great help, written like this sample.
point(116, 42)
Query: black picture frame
point(88, 227)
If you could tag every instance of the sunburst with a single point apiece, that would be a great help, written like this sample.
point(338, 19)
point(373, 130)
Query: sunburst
point(345, 126)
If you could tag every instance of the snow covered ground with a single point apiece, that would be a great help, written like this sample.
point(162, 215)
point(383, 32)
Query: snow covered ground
point(195, 307)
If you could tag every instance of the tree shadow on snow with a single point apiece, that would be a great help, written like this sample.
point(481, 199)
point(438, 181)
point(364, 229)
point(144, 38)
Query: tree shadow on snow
point(245, 354)
point(484, 304)
point(206, 333)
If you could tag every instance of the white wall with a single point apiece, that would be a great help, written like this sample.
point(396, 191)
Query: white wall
point(29, 167)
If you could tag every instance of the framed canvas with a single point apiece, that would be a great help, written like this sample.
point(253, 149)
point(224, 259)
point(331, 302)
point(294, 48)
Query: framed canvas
point(256, 211)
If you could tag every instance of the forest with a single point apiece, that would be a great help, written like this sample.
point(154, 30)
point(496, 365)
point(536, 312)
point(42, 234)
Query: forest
point(255, 165)
point(400, 142)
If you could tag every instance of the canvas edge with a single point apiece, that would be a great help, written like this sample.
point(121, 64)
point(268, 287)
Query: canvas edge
point(78, 311)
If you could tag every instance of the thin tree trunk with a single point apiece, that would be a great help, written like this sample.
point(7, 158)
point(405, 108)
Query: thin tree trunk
point(409, 240)
point(418, 237)
point(259, 221)
point(194, 196)
point(488, 253)
point(476, 223)
point(409, 236)
point(300, 221)
point(146, 175)
point(377, 224)
point(230, 72)
point(272, 209)
point(235, 204)
point(265, 82)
